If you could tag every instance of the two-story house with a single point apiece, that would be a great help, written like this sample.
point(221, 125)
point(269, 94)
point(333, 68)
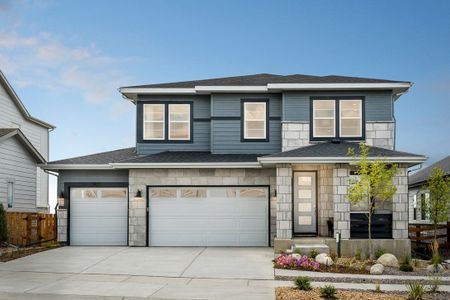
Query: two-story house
point(24, 144)
point(252, 160)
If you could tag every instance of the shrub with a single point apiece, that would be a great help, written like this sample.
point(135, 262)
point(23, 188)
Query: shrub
point(313, 253)
point(379, 252)
point(328, 292)
point(436, 258)
point(3, 225)
point(406, 266)
point(302, 283)
point(358, 254)
point(435, 283)
point(378, 288)
point(289, 262)
point(333, 256)
point(415, 291)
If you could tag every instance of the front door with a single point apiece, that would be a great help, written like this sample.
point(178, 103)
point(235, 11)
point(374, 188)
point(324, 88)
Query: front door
point(304, 203)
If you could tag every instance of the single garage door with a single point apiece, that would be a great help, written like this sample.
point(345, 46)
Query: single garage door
point(98, 216)
point(208, 216)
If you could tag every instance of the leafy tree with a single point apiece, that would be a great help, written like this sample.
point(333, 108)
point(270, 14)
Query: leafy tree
point(439, 187)
point(373, 186)
point(3, 225)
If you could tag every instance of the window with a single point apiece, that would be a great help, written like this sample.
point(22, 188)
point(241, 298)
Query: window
point(255, 120)
point(179, 121)
point(324, 118)
point(338, 117)
point(154, 121)
point(10, 193)
point(350, 121)
point(163, 122)
point(424, 202)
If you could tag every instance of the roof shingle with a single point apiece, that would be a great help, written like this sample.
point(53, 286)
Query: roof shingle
point(423, 175)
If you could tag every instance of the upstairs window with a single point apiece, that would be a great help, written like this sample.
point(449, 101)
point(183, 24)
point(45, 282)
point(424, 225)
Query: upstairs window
point(165, 122)
point(337, 118)
point(10, 193)
point(254, 120)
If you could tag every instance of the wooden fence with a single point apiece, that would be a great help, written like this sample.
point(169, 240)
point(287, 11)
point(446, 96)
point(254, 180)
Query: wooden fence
point(422, 235)
point(30, 228)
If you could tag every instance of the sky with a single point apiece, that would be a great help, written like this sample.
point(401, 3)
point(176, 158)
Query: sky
point(66, 59)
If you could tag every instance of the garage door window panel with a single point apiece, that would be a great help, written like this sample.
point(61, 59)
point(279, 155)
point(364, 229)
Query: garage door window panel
point(164, 193)
point(193, 193)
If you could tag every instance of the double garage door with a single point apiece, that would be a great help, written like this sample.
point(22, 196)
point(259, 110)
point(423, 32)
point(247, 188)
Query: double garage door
point(178, 216)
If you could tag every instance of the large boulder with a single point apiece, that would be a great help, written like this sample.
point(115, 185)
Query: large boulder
point(435, 269)
point(377, 269)
point(388, 260)
point(324, 259)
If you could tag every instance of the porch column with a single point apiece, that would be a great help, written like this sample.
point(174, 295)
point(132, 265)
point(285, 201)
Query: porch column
point(400, 205)
point(284, 201)
point(340, 201)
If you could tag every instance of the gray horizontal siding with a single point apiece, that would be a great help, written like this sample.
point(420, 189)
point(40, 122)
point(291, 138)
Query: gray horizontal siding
point(201, 142)
point(227, 139)
point(18, 166)
point(296, 104)
point(229, 105)
point(201, 137)
point(90, 176)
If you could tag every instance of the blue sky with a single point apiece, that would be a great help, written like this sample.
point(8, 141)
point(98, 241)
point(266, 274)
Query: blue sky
point(66, 59)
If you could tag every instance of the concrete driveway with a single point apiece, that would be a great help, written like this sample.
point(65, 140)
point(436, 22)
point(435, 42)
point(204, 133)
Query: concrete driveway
point(154, 273)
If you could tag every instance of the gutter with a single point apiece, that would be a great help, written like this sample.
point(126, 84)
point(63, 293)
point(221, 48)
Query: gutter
point(112, 166)
point(318, 160)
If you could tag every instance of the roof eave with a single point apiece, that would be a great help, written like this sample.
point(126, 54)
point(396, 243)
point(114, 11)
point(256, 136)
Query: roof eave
point(329, 160)
point(185, 165)
point(27, 144)
point(75, 166)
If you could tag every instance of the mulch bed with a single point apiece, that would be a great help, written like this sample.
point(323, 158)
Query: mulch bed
point(287, 293)
point(10, 253)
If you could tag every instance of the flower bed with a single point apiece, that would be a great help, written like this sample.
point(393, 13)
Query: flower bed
point(304, 263)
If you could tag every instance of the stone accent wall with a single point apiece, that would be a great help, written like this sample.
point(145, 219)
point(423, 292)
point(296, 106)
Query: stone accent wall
point(140, 178)
point(294, 135)
point(400, 205)
point(380, 134)
point(284, 201)
point(340, 200)
point(61, 215)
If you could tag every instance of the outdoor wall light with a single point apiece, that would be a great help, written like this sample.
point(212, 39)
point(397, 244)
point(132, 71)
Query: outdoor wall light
point(274, 194)
point(138, 194)
point(61, 200)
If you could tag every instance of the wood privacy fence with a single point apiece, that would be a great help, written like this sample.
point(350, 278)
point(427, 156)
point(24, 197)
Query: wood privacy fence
point(422, 235)
point(30, 228)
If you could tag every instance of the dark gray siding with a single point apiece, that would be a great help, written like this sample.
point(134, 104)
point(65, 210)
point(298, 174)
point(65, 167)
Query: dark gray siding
point(226, 133)
point(201, 128)
point(378, 104)
point(90, 176)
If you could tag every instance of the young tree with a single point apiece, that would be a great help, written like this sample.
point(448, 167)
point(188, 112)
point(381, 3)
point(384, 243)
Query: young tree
point(3, 226)
point(439, 187)
point(373, 186)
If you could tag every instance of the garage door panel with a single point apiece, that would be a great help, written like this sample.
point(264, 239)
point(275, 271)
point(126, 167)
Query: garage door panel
point(220, 217)
point(98, 216)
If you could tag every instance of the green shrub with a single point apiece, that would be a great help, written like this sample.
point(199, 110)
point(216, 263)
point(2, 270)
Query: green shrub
point(313, 253)
point(379, 252)
point(3, 225)
point(302, 283)
point(328, 292)
point(406, 266)
point(415, 291)
point(333, 256)
point(358, 254)
point(378, 288)
point(435, 283)
point(436, 258)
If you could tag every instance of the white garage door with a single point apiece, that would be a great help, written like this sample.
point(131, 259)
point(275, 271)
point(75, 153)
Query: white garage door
point(208, 216)
point(98, 216)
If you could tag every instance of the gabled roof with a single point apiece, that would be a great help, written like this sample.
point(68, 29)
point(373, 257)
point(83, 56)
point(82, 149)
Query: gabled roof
point(329, 152)
point(4, 82)
point(6, 133)
point(128, 159)
point(264, 79)
point(265, 83)
point(421, 176)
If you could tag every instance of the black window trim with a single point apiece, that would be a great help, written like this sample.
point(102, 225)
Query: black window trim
point(337, 118)
point(166, 140)
point(247, 100)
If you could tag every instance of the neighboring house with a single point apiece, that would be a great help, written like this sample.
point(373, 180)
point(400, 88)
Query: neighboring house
point(252, 160)
point(23, 145)
point(418, 193)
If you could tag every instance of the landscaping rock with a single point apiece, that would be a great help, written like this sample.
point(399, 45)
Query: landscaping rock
point(438, 269)
point(377, 269)
point(296, 255)
point(324, 259)
point(388, 260)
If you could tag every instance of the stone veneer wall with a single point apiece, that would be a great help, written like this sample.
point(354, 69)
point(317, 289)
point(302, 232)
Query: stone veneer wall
point(61, 215)
point(284, 201)
point(400, 205)
point(379, 134)
point(140, 178)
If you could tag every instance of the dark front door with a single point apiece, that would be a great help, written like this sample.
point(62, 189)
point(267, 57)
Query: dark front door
point(305, 203)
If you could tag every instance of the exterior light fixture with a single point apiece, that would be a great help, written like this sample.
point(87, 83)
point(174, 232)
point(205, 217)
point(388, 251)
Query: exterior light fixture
point(274, 194)
point(61, 200)
point(138, 194)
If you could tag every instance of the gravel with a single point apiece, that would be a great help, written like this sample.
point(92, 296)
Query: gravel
point(358, 280)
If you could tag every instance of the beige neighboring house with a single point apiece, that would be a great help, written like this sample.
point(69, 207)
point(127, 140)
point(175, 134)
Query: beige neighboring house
point(24, 144)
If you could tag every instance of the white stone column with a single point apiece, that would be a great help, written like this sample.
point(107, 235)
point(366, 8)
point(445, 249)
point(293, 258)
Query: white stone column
point(400, 205)
point(284, 201)
point(137, 218)
point(61, 215)
point(340, 200)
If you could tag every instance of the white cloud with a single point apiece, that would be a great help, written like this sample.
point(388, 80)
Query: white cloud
point(45, 62)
